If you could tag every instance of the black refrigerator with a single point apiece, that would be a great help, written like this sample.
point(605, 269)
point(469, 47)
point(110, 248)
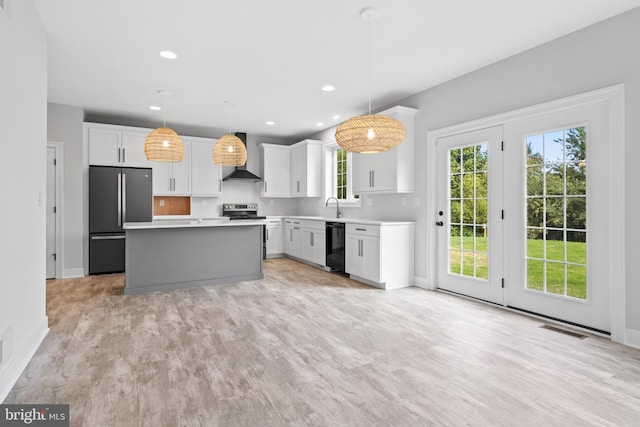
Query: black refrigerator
point(116, 195)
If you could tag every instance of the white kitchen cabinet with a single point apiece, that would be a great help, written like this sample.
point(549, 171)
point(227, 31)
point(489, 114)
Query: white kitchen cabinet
point(274, 238)
point(292, 238)
point(274, 160)
point(362, 252)
point(111, 145)
point(313, 241)
point(390, 171)
point(173, 178)
point(306, 174)
point(206, 176)
point(380, 255)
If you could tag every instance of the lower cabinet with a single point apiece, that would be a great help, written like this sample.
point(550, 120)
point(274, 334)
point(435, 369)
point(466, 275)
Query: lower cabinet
point(274, 238)
point(380, 255)
point(362, 256)
point(305, 240)
point(292, 238)
point(314, 243)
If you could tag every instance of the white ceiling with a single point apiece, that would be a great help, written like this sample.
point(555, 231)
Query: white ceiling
point(270, 58)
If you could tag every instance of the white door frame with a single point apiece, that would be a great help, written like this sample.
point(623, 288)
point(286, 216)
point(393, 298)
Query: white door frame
point(58, 146)
point(614, 97)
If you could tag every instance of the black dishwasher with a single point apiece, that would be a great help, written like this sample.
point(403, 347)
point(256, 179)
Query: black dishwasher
point(335, 246)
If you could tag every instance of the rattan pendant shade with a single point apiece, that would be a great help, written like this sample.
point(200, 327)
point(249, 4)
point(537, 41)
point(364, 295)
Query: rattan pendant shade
point(370, 134)
point(163, 145)
point(229, 151)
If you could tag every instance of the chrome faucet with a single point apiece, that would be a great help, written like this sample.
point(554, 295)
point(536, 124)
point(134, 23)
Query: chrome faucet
point(338, 213)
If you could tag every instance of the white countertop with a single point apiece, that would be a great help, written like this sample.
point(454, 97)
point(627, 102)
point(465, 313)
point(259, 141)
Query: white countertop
point(350, 220)
point(190, 223)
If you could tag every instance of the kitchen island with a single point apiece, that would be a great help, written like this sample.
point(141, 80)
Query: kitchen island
point(166, 255)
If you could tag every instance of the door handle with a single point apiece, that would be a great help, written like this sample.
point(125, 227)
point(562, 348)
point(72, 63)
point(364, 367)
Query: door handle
point(119, 197)
point(121, 237)
point(124, 197)
point(439, 223)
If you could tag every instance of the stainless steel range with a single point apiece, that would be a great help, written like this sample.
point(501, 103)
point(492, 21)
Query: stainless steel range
point(246, 211)
point(241, 211)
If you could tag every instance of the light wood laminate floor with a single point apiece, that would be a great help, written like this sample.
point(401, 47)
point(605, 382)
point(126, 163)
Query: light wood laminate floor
point(305, 347)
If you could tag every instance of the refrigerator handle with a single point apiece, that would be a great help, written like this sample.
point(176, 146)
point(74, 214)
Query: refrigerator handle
point(124, 197)
point(119, 200)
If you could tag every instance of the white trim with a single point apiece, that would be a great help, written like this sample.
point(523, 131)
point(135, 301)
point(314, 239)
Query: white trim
point(70, 273)
point(614, 96)
point(329, 171)
point(421, 282)
point(632, 338)
point(59, 147)
point(21, 359)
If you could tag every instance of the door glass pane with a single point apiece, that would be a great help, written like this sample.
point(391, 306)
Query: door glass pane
point(556, 206)
point(468, 205)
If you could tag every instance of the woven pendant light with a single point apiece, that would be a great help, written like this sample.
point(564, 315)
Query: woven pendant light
point(163, 145)
point(229, 151)
point(370, 133)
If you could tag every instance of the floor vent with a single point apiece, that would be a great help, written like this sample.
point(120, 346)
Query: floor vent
point(564, 331)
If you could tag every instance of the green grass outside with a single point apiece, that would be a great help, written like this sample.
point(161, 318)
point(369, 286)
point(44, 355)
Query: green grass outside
point(576, 253)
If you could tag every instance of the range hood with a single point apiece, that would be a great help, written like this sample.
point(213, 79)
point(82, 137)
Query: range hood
point(241, 173)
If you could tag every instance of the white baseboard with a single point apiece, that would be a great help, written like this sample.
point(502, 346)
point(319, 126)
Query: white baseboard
point(70, 273)
point(632, 338)
point(21, 359)
point(421, 282)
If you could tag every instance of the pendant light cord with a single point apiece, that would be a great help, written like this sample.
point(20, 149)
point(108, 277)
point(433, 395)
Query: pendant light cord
point(369, 65)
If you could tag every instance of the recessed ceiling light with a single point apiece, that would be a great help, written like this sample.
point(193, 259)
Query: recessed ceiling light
point(164, 92)
point(155, 108)
point(167, 54)
point(270, 123)
point(328, 88)
point(335, 117)
point(319, 124)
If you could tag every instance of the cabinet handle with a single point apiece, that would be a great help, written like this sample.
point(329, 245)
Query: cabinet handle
point(361, 248)
point(361, 229)
point(267, 233)
point(373, 178)
point(298, 183)
point(119, 155)
point(220, 186)
point(291, 234)
point(265, 186)
point(370, 179)
point(311, 238)
point(124, 154)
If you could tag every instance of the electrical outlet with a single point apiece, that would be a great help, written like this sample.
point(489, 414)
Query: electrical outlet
point(161, 202)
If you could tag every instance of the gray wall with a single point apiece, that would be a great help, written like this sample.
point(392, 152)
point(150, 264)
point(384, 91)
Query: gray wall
point(23, 137)
point(598, 56)
point(64, 125)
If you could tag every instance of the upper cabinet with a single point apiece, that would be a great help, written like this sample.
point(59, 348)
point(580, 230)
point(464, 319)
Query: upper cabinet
point(195, 175)
point(275, 170)
point(390, 171)
point(306, 174)
point(116, 145)
point(206, 176)
point(173, 178)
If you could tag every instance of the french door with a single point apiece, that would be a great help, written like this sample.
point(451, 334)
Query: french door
point(557, 212)
point(469, 218)
point(525, 223)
